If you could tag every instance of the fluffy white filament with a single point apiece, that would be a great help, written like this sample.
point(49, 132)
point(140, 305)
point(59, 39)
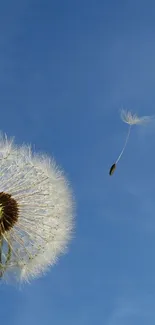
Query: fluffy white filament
point(132, 119)
point(45, 219)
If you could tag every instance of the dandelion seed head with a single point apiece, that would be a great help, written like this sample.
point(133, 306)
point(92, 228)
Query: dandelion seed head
point(133, 119)
point(36, 212)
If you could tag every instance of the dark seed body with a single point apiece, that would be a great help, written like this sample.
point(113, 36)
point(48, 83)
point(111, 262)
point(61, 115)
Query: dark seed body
point(9, 213)
point(112, 169)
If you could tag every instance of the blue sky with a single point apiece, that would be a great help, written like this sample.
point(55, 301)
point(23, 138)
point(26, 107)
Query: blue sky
point(66, 69)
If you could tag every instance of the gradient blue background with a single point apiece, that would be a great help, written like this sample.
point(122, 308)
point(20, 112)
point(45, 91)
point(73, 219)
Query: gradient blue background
point(66, 69)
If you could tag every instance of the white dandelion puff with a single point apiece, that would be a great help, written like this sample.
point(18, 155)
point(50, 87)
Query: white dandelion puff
point(36, 212)
point(130, 119)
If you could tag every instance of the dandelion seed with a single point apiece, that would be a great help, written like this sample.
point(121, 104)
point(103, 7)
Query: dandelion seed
point(36, 212)
point(112, 169)
point(130, 119)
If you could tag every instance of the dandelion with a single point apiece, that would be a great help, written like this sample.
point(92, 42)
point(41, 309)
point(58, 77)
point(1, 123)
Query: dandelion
point(36, 212)
point(130, 119)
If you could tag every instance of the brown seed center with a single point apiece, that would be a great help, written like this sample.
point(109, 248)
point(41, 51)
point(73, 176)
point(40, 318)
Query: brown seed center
point(8, 212)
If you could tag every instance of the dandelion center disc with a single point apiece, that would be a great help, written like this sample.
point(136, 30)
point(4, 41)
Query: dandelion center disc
point(8, 212)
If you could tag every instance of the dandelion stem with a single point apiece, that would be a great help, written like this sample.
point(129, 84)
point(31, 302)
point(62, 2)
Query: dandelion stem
point(8, 255)
point(1, 243)
point(126, 141)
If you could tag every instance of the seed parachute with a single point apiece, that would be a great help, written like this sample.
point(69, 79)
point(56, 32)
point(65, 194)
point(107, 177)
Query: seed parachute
point(130, 119)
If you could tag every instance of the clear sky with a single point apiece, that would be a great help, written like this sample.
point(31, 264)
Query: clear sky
point(66, 70)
